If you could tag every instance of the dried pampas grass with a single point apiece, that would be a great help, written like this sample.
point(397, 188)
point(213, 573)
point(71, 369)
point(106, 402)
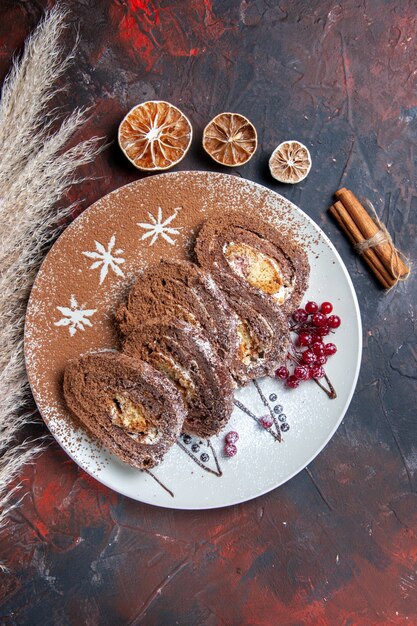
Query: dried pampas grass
point(35, 172)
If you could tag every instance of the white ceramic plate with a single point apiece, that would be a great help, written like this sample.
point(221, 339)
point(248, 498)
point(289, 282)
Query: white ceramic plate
point(308, 418)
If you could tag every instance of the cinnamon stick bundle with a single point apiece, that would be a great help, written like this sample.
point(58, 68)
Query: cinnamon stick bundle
point(379, 253)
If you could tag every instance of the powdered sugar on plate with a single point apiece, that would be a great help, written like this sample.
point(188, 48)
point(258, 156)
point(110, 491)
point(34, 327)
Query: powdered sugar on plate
point(88, 273)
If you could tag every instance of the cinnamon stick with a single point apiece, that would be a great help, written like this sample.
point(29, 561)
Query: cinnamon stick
point(355, 236)
point(394, 265)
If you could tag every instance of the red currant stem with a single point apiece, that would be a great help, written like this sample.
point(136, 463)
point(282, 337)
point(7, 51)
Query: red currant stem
point(293, 345)
point(331, 392)
point(293, 358)
point(299, 328)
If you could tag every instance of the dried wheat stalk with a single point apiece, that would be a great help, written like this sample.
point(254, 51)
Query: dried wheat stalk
point(35, 172)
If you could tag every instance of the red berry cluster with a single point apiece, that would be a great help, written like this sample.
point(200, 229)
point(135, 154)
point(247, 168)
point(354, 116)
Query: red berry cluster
point(310, 352)
point(230, 448)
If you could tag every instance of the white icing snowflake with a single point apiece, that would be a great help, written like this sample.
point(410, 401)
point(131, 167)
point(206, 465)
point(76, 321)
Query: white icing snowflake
point(106, 259)
point(157, 227)
point(75, 317)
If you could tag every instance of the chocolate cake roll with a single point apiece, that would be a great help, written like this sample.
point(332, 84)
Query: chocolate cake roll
point(263, 275)
point(128, 406)
point(250, 255)
point(181, 290)
point(183, 353)
point(263, 340)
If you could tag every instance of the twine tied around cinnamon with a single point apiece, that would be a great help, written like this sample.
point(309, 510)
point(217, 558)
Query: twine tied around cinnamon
point(382, 236)
point(370, 238)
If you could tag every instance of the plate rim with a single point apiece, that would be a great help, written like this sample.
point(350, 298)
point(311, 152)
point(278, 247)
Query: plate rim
point(358, 363)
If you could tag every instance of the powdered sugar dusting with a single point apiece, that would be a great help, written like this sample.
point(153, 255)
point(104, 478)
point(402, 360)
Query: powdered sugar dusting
point(74, 316)
point(115, 223)
point(106, 258)
point(158, 227)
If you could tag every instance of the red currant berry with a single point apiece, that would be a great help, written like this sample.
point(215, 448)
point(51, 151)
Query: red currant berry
point(329, 349)
point(282, 372)
point(266, 421)
point(318, 348)
point(299, 315)
point(300, 372)
point(326, 308)
point(322, 331)
point(317, 371)
point(308, 376)
point(232, 437)
point(334, 321)
point(312, 307)
point(319, 320)
point(304, 339)
point(230, 449)
point(321, 360)
point(308, 357)
point(292, 382)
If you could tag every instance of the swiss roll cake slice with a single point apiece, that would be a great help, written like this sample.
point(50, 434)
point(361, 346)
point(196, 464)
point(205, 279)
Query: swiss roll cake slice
point(263, 275)
point(129, 407)
point(183, 353)
point(262, 339)
point(182, 290)
point(247, 253)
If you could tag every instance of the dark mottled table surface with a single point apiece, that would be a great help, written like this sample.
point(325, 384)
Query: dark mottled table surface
point(338, 543)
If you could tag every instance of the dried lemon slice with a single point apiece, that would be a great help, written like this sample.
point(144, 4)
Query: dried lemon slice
point(230, 139)
point(155, 135)
point(290, 162)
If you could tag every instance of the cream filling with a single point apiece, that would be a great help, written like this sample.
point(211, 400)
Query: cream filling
point(258, 269)
point(177, 374)
point(132, 418)
point(248, 351)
